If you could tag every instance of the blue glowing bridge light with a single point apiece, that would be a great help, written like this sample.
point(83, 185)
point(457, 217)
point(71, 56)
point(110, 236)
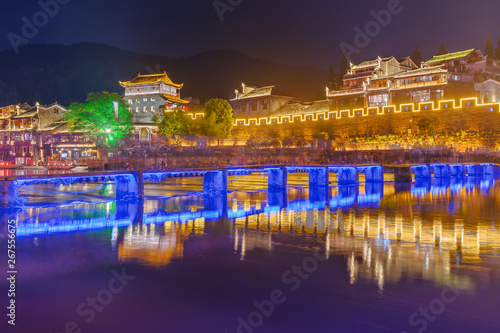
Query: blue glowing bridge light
point(159, 176)
point(299, 169)
point(180, 217)
point(485, 185)
point(373, 173)
point(421, 171)
point(480, 170)
point(31, 229)
point(441, 170)
point(457, 170)
point(369, 199)
point(246, 171)
point(488, 169)
point(336, 202)
point(305, 205)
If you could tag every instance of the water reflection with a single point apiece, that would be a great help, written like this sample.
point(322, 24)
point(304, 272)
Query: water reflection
point(144, 244)
point(440, 231)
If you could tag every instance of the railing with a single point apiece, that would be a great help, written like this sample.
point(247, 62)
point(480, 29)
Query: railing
point(420, 84)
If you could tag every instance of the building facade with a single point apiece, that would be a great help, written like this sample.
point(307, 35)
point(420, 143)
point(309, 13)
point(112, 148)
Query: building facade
point(391, 81)
point(33, 134)
point(387, 81)
point(148, 95)
point(462, 70)
point(257, 102)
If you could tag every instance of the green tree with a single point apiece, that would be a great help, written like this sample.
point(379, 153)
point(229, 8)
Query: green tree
point(218, 121)
point(497, 53)
point(442, 50)
point(173, 125)
point(97, 117)
point(417, 57)
point(490, 52)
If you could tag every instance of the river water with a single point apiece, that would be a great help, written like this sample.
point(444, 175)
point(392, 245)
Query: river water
point(421, 257)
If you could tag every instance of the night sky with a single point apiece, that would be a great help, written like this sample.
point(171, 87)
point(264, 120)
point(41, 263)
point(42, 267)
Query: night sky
point(293, 32)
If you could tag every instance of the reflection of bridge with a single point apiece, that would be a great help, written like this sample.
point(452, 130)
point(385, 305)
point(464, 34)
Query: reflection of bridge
point(380, 247)
point(215, 208)
point(130, 185)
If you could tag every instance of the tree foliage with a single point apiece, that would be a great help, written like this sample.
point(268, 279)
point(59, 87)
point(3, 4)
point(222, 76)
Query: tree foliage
point(218, 121)
point(344, 67)
point(442, 50)
point(174, 125)
point(490, 52)
point(417, 57)
point(97, 117)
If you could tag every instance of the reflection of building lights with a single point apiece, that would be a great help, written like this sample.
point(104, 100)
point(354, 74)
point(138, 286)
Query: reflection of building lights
point(144, 244)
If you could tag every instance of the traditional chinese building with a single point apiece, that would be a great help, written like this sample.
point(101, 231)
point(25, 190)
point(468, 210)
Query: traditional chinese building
point(257, 102)
point(462, 68)
point(391, 81)
point(29, 134)
point(487, 84)
point(148, 95)
point(387, 81)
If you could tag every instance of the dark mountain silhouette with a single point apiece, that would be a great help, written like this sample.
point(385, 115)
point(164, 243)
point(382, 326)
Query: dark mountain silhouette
point(66, 74)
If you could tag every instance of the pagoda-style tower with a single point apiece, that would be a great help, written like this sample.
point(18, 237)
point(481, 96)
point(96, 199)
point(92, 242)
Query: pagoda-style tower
point(148, 95)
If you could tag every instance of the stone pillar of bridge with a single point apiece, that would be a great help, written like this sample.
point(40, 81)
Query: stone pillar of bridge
point(488, 169)
point(474, 170)
point(347, 176)
point(421, 171)
point(457, 171)
point(277, 178)
point(441, 170)
point(318, 177)
point(10, 194)
point(496, 169)
point(374, 173)
point(129, 186)
point(215, 182)
point(402, 174)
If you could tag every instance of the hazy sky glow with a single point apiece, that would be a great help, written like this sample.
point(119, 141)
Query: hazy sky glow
point(295, 32)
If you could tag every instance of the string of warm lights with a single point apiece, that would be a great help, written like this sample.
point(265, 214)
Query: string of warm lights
point(370, 111)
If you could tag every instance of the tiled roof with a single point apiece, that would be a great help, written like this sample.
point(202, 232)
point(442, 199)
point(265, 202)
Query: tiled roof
point(175, 99)
point(257, 92)
point(302, 108)
point(450, 56)
point(53, 126)
point(150, 79)
point(421, 71)
point(369, 64)
point(27, 114)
